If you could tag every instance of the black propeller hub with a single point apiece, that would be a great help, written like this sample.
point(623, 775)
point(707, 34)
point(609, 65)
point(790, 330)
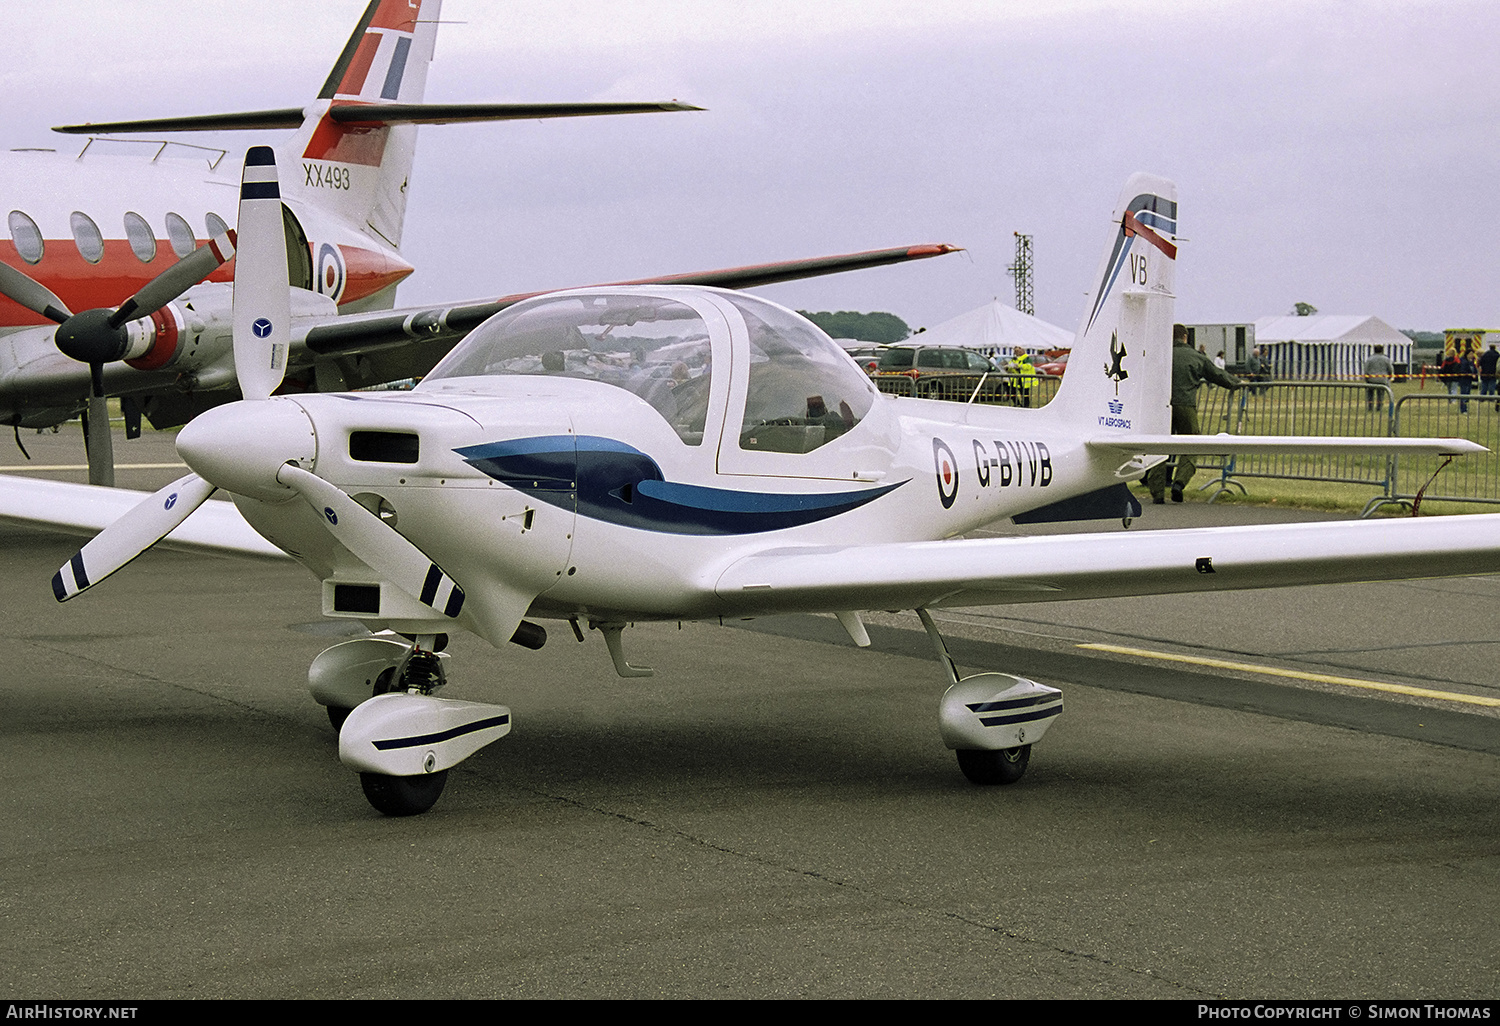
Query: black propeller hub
point(91, 337)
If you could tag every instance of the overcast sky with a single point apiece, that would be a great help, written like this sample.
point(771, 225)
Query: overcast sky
point(1338, 153)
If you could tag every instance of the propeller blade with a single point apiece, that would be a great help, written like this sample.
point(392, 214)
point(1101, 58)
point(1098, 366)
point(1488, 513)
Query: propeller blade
point(262, 300)
point(32, 294)
point(177, 279)
point(374, 543)
point(98, 443)
point(131, 535)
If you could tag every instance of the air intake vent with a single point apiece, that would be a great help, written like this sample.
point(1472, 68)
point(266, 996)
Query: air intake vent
point(383, 446)
point(356, 598)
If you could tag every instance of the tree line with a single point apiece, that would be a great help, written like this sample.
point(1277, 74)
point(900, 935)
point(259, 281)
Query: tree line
point(866, 327)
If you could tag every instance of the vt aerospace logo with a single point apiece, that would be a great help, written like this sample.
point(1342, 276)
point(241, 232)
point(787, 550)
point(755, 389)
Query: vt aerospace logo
point(947, 472)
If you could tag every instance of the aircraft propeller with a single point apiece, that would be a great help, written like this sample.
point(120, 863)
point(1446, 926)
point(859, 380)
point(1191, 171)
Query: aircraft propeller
point(101, 336)
point(252, 447)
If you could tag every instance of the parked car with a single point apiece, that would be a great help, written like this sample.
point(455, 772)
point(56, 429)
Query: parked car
point(940, 372)
point(866, 354)
point(1056, 366)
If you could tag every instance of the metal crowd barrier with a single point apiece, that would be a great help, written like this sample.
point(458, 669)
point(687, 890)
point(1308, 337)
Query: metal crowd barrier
point(1474, 478)
point(1348, 409)
point(989, 389)
point(1299, 408)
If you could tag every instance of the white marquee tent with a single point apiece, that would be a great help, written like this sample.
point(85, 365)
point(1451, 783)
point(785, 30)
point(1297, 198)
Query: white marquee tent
point(997, 330)
point(1327, 346)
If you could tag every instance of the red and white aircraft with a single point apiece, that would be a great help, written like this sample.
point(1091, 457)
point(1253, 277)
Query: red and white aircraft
point(124, 241)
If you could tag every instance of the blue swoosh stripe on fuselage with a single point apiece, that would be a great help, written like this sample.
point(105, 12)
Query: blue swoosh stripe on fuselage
point(608, 480)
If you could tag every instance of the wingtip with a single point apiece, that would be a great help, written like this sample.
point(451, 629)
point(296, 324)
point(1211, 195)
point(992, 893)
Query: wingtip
point(933, 249)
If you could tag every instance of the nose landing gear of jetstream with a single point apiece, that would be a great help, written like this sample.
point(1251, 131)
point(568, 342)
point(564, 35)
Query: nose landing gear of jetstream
point(392, 732)
point(991, 720)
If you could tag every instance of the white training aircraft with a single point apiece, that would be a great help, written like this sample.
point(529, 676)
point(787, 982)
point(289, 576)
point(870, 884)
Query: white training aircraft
point(105, 235)
point(620, 454)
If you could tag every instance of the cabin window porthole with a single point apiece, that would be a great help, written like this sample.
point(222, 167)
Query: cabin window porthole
point(180, 234)
point(26, 236)
point(140, 236)
point(87, 237)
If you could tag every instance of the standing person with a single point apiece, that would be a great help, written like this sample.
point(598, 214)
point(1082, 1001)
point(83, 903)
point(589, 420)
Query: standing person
point(1219, 360)
point(1266, 370)
point(1448, 374)
point(1378, 371)
point(1487, 364)
point(1190, 369)
point(1026, 376)
point(1253, 365)
point(1465, 372)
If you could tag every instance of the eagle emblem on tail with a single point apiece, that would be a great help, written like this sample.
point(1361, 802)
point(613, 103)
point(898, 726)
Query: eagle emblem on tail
point(1114, 369)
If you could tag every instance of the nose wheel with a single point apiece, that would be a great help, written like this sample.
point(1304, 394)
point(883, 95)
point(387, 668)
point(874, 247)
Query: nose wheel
point(403, 796)
point(1000, 766)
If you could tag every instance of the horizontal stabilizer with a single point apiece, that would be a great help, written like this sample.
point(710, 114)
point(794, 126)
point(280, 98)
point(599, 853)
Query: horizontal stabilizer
point(1214, 445)
point(372, 114)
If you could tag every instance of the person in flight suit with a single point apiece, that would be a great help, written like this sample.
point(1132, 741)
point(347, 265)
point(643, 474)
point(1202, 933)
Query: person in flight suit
point(1190, 369)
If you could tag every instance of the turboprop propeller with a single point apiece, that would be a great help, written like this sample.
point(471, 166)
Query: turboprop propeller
point(101, 336)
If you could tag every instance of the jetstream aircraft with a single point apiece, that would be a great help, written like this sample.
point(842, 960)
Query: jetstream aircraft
point(85, 237)
point(619, 454)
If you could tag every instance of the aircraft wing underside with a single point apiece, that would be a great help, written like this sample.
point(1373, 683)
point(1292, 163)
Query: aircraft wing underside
point(999, 571)
point(354, 334)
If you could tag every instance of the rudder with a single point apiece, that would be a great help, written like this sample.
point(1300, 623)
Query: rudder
point(1119, 375)
point(359, 172)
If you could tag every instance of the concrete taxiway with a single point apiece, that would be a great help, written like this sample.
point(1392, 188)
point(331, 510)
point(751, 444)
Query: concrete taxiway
point(773, 814)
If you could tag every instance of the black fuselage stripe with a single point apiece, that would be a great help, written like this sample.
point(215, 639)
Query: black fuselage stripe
point(440, 736)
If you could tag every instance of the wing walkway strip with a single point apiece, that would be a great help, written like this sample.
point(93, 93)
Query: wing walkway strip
point(1322, 678)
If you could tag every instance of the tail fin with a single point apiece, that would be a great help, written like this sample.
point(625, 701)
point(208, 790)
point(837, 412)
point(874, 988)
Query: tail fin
point(358, 172)
point(1119, 375)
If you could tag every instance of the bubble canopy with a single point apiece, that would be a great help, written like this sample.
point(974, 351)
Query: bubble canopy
point(802, 391)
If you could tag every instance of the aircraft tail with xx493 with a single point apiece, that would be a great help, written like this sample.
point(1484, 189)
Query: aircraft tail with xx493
point(611, 455)
point(108, 236)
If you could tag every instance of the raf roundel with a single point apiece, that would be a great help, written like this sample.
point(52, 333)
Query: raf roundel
point(947, 472)
point(261, 327)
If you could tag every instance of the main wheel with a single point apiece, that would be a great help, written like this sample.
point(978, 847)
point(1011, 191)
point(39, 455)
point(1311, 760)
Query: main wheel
point(403, 796)
point(1002, 766)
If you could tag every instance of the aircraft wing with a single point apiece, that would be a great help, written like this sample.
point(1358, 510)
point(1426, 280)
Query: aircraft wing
point(1322, 445)
point(353, 334)
point(1000, 571)
point(216, 526)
